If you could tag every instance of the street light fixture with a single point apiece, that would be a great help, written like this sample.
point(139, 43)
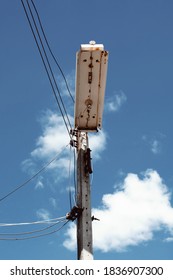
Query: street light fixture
point(91, 71)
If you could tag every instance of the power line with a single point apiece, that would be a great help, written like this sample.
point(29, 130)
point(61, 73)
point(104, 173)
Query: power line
point(45, 59)
point(36, 236)
point(34, 176)
point(35, 231)
point(50, 68)
point(45, 66)
point(49, 221)
point(48, 45)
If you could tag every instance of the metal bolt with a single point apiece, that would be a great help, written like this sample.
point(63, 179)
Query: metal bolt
point(92, 42)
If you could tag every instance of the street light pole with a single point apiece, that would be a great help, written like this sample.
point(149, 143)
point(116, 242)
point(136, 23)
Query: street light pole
point(84, 223)
point(91, 71)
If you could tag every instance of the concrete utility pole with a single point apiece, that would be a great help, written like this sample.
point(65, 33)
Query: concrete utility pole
point(84, 223)
point(91, 70)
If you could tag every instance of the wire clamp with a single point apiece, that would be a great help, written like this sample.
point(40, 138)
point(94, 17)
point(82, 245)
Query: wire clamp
point(74, 132)
point(74, 140)
point(74, 213)
point(73, 143)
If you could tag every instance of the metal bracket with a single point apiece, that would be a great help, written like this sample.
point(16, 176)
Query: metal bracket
point(74, 140)
point(74, 213)
point(94, 219)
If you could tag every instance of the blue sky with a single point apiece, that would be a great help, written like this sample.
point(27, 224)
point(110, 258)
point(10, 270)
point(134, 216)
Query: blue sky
point(132, 156)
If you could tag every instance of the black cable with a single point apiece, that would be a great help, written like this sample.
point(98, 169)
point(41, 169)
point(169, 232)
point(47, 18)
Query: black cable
point(45, 37)
point(50, 68)
point(45, 66)
point(36, 236)
point(35, 175)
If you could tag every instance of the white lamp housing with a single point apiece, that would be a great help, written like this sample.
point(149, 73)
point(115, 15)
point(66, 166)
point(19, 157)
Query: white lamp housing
point(91, 71)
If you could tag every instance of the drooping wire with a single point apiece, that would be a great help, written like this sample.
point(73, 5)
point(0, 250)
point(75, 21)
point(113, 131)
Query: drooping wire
point(34, 176)
point(49, 221)
point(48, 45)
point(46, 68)
point(36, 236)
point(34, 231)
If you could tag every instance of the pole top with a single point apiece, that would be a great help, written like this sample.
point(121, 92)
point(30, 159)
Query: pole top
point(92, 46)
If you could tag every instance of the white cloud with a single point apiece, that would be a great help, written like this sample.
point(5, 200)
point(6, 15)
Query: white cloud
point(54, 139)
point(130, 216)
point(168, 239)
point(154, 142)
point(155, 147)
point(28, 166)
point(53, 202)
point(54, 136)
point(70, 242)
point(70, 78)
point(39, 185)
point(43, 214)
point(115, 103)
point(97, 143)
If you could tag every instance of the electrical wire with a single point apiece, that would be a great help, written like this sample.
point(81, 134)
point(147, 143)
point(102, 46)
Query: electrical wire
point(34, 176)
point(48, 45)
point(45, 66)
point(36, 236)
point(55, 220)
point(31, 232)
point(64, 115)
point(50, 68)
